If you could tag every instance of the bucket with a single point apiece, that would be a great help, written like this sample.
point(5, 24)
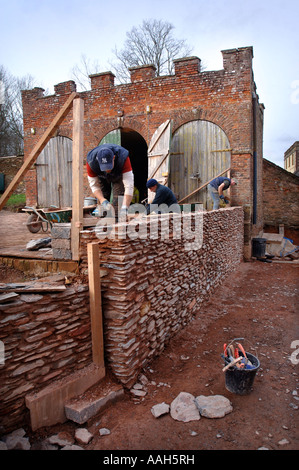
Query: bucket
point(259, 247)
point(240, 381)
point(90, 201)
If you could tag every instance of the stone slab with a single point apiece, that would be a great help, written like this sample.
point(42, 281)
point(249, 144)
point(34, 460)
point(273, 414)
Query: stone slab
point(82, 408)
point(47, 406)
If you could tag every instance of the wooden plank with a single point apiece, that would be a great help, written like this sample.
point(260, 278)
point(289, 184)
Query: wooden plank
point(38, 148)
point(77, 177)
point(158, 166)
point(95, 300)
point(203, 186)
point(157, 134)
point(158, 154)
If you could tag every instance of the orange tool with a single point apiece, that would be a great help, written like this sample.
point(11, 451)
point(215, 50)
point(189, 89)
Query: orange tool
point(242, 349)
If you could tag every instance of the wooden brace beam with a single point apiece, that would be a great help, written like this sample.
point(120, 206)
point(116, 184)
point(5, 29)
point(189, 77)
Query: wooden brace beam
point(38, 148)
point(203, 186)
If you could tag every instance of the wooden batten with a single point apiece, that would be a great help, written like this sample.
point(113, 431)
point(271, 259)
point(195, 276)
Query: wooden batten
point(77, 177)
point(94, 279)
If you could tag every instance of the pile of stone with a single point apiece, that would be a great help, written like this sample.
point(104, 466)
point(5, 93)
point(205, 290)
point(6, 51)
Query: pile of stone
point(185, 407)
point(17, 440)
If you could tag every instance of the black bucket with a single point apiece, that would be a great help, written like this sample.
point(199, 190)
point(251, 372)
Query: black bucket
point(240, 381)
point(259, 247)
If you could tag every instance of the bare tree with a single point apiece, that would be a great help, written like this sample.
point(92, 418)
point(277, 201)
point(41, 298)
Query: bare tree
point(151, 43)
point(81, 72)
point(11, 112)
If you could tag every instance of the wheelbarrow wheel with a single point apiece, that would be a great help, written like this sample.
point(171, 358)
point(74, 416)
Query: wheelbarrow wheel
point(33, 224)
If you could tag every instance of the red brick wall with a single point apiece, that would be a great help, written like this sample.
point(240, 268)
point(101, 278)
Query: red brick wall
point(223, 97)
point(281, 196)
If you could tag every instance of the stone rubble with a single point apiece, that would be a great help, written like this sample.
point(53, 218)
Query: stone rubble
point(160, 409)
point(214, 406)
point(83, 436)
point(183, 408)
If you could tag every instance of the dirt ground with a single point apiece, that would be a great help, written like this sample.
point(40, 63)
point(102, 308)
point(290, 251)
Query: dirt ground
point(258, 302)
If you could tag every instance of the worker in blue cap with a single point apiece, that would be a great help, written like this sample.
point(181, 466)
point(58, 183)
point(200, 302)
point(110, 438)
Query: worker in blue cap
point(109, 168)
point(163, 195)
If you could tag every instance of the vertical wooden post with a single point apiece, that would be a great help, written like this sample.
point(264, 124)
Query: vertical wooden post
point(95, 304)
point(77, 176)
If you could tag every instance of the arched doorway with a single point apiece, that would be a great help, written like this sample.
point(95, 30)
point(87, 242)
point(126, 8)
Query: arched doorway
point(200, 150)
point(137, 147)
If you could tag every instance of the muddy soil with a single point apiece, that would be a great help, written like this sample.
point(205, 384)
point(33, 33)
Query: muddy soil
point(258, 302)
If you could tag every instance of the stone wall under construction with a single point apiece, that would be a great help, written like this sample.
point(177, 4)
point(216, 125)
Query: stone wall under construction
point(152, 286)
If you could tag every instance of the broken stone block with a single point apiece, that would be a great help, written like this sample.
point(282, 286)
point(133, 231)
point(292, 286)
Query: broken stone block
point(138, 393)
point(183, 408)
point(104, 432)
point(16, 440)
point(61, 439)
point(160, 409)
point(37, 244)
point(83, 436)
point(214, 406)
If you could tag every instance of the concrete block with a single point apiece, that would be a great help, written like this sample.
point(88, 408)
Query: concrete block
point(61, 243)
point(59, 253)
point(61, 231)
point(47, 406)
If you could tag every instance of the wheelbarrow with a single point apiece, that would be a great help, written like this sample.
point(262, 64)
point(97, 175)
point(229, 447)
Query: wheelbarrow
point(43, 219)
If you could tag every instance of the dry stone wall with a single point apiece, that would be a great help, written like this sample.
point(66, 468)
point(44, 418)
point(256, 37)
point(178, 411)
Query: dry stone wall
point(151, 288)
point(45, 337)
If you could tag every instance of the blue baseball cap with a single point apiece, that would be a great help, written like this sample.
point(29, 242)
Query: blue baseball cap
point(105, 159)
point(152, 182)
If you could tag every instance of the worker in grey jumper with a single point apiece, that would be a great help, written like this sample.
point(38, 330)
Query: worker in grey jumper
point(216, 188)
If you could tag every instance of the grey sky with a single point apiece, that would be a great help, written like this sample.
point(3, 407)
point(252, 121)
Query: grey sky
point(46, 39)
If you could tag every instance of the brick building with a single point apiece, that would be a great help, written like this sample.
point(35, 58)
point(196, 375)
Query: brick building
point(291, 158)
point(216, 123)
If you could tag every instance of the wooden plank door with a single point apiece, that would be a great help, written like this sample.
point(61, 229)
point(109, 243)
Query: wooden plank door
point(200, 151)
point(158, 155)
point(54, 173)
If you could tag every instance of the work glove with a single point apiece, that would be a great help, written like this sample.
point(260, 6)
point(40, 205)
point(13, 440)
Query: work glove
point(123, 214)
point(106, 205)
point(226, 201)
point(106, 209)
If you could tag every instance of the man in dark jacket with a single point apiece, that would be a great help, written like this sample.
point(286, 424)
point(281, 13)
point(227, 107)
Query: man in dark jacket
point(109, 167)
point(216, 188)
point(164, 196)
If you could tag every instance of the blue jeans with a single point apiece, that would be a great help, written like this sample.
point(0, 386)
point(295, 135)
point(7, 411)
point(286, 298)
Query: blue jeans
point(215, 196)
